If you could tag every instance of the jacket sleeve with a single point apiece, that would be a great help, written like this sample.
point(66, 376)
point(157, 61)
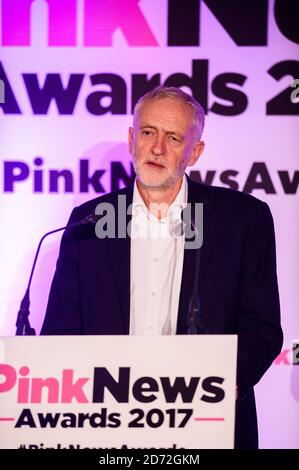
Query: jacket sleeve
point(63, 314)
point(259, 331)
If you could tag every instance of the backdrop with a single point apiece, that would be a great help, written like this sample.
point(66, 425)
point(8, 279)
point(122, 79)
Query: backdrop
point(70, 73)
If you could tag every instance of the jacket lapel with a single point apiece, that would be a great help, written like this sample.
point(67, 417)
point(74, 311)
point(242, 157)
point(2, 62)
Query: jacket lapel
point(196, 193)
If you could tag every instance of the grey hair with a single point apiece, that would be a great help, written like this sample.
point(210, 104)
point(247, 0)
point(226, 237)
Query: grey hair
point(175, 93)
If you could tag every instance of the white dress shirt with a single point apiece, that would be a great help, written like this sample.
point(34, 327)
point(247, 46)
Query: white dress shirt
point(157, 255)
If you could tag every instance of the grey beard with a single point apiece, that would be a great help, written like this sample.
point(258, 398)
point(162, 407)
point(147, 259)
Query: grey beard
point(170, 181)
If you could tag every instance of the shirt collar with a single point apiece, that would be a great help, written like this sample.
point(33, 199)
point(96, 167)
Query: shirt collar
point(175, 208)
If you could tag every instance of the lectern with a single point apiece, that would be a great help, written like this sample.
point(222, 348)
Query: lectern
point(123, 392)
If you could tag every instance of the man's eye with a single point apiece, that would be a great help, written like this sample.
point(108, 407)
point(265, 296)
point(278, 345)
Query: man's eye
point(173, 138)
point(146, 133)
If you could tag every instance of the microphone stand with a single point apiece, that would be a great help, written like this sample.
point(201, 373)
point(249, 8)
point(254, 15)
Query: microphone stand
point(195, 324)
point(23, 324)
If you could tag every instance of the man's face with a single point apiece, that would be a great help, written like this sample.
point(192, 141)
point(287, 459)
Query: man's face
point(162, 143)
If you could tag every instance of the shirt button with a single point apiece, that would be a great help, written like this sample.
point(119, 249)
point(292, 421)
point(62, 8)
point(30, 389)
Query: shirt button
point(153, 294)
point(156, 260)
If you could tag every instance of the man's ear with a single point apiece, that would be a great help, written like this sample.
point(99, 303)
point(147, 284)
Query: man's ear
point(130, 139)
point(196, 152)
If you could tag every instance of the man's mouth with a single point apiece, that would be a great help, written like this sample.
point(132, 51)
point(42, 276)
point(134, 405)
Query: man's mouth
point(155, 165)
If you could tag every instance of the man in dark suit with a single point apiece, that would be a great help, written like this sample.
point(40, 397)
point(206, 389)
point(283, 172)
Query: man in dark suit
point(124, 285)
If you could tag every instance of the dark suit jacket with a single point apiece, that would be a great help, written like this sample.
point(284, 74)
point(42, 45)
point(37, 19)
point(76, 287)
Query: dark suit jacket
point(90, 292)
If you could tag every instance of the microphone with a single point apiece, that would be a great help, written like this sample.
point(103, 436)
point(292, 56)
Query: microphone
point(195, 323)
point(22, 324)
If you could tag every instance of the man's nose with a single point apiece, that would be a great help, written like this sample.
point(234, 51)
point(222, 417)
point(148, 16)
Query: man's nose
point(158, 145)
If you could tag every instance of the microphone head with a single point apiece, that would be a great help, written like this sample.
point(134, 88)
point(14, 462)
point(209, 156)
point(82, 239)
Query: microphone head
point(91, 219)
point(189, 221)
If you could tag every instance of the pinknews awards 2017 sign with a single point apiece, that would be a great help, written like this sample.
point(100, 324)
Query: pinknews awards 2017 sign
point(79, 392)
point(70, 74)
